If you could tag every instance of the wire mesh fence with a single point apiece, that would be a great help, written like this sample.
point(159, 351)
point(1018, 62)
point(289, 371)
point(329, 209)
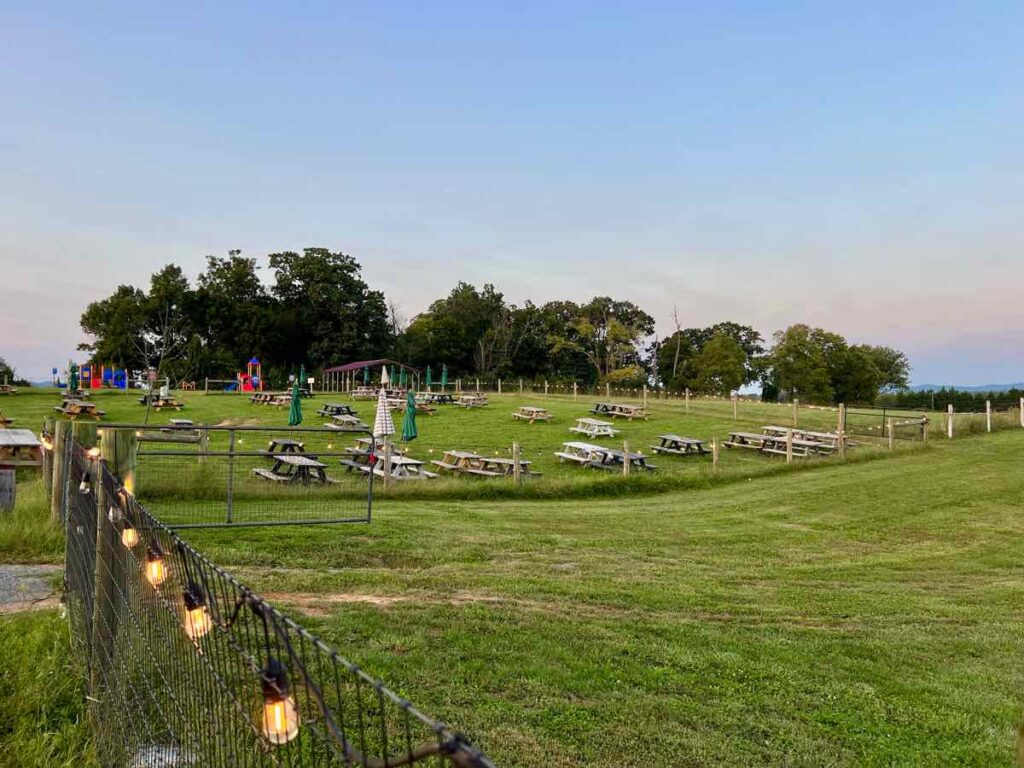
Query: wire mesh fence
point(203, 476)
point(186, 666)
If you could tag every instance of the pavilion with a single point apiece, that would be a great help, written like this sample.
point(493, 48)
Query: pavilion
point(344, 378)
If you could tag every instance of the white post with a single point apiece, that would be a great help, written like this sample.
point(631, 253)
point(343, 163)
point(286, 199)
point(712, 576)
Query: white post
point(574, 399)
point(988, 415)
point(520, 386)
point(949, 421)
point(714, 454)
point(499, 386)
point(789, 446)
point(735, 400)
point(687, 399)
point(608, 390)
point(516, 464)
point(545, 387)
point(1022, 411)
point(892, 435)
point(796, 410)
point(841, 431)
point(645, 395)
point(625, 458)
point(478, 385)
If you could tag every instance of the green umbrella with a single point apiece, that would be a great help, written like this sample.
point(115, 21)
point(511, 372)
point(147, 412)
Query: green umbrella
point(430, 382)
point(401, 378)
point(366, 374)
point(444, 376)
point(295, 412)
point(409, 422)
point(73, 377)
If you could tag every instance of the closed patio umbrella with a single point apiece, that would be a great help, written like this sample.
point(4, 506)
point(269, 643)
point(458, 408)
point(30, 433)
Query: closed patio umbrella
point(383, 425)
point(73, 377)
point(295, 409)
point(430, 381)
point(366, 374)
point(444, 376)
point(409, 422)
point(385, 380)
point(401, 378)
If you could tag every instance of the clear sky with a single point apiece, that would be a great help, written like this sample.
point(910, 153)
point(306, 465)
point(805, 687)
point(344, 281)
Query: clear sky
point(857, 166)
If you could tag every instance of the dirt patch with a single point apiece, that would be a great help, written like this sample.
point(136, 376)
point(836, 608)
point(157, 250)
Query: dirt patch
point(313, 604)
point(26, 587)
point(29, 605)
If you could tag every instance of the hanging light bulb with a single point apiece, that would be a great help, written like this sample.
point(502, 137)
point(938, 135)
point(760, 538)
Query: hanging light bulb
point(156, 569)
point(280, 717)
point(93, 453)
point(85, 486)
point(129, 535)
point(197, 618)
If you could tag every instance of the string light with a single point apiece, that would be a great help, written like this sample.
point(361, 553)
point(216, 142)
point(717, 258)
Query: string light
point(197, 618)
point(156, 569)
point(85, 487)
point(280, 716)
point(93, 453)
point(129, 535)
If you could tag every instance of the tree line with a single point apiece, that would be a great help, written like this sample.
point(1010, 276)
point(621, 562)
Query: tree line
point(315, 309)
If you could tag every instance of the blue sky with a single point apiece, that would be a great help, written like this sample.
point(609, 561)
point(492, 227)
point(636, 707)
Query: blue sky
point(855, 166)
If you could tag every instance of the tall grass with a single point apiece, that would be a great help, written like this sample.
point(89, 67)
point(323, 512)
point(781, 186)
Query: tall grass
point(27, 534)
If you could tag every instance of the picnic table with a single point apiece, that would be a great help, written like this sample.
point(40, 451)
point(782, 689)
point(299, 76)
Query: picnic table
point(458, 461)
point(775, 444)
point(20, 448)
point(295, 468)
point(612, 458)
point(580, 453)
point(364, 393)
point(5, 421)
point(679, 446)
point(434, 398)
point(402, 468)
point(619, 410)
point(472, 400)
point(341, 421)
point(336, 409)
point(498, 466)
point(74, 408)
point(829, 440)
point(159, 403)
point(7, 389)
point(285, 445)
point(594, 428)
point(532, 413)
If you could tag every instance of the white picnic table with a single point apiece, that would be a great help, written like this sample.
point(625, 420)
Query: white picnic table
point(342, 421)
point(679, 445)
point(581, 453)
point(594, 428)
point(458, 461)
point(473, 400)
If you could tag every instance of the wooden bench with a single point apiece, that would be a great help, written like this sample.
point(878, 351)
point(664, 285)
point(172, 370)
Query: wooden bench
point(266, 474)
point(679, 446)
point(531, 414)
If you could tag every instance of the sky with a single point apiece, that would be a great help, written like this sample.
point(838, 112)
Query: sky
point(857, 166)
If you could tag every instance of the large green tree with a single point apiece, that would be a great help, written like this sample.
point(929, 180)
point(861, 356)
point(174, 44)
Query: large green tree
point(675, 355)
point(720, 366)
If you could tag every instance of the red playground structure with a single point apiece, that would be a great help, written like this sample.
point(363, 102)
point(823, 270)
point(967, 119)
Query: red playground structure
point(252, 379)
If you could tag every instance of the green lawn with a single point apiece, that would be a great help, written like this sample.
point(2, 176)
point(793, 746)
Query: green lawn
point(865, 613)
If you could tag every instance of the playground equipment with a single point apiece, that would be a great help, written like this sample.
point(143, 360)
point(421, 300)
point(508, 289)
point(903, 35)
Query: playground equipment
point(252, 379)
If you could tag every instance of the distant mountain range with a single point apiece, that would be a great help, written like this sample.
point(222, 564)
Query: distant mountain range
point(982, 388)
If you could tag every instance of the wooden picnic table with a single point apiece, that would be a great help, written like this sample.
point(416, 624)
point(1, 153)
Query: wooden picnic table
point(5, 421)
point(75, 408)
point(285, 445)
point(679, 446)
point(7, 389)
point(619, 410)
point(20, 448)
point(830, 439)
point(594, 428)
point(580, 453)
point(775, 444)
point(498, 466)
point(532, 413)
point(336, 409)
point(473, 400)
point(402, 468)
point(295, 468)
point(435, 398)
point(343, 422)
point(612, 458)
point(458, 461)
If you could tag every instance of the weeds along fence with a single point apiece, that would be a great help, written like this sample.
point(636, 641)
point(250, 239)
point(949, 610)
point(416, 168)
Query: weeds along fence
point(186, 666)
point(205, 476)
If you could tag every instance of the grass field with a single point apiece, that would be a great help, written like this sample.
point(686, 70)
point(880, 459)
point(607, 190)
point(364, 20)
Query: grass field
point(863, 613)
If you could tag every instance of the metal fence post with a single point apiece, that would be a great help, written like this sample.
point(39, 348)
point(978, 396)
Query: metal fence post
point(231, 474)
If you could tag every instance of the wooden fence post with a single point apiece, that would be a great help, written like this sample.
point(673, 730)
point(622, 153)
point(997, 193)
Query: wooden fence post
point(48, 428)
point(574, 400)
point(796, 411)
point(625, 458)
point(517, 469)
point(735, 408)
point(499, 386)
point(478, 385)
point(892, 434)
point(387, 462)
point(789, 446)
point(545, 387)
point(714, 454)
point(61, 437)
point(687, 399)
point(841, 431)
point(988, 415)
point(1021, 411)
point(645, 395)
point(949, 421)
point(520, 386)
point(607, 389)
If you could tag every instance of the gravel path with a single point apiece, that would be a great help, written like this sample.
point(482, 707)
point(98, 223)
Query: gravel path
point(24, 587)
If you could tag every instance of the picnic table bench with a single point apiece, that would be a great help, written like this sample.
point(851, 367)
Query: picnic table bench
point(341, 421)
point(176, 431)
point(402, 468)
point(435, 398)
point(5, 421)
point(498, 466)
point(612, 458)
point(476, 400)
point(580, 453)
point(336, 409)
point(295, 468)
point(285, 445)
point(7, 389)
point(827, 439)
point(363, 393)
point(594, 428)
point(679, 446)
point(532, 413)
point(774, 443)
point(75, 408)
point(20, 448)
point(458, 461)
